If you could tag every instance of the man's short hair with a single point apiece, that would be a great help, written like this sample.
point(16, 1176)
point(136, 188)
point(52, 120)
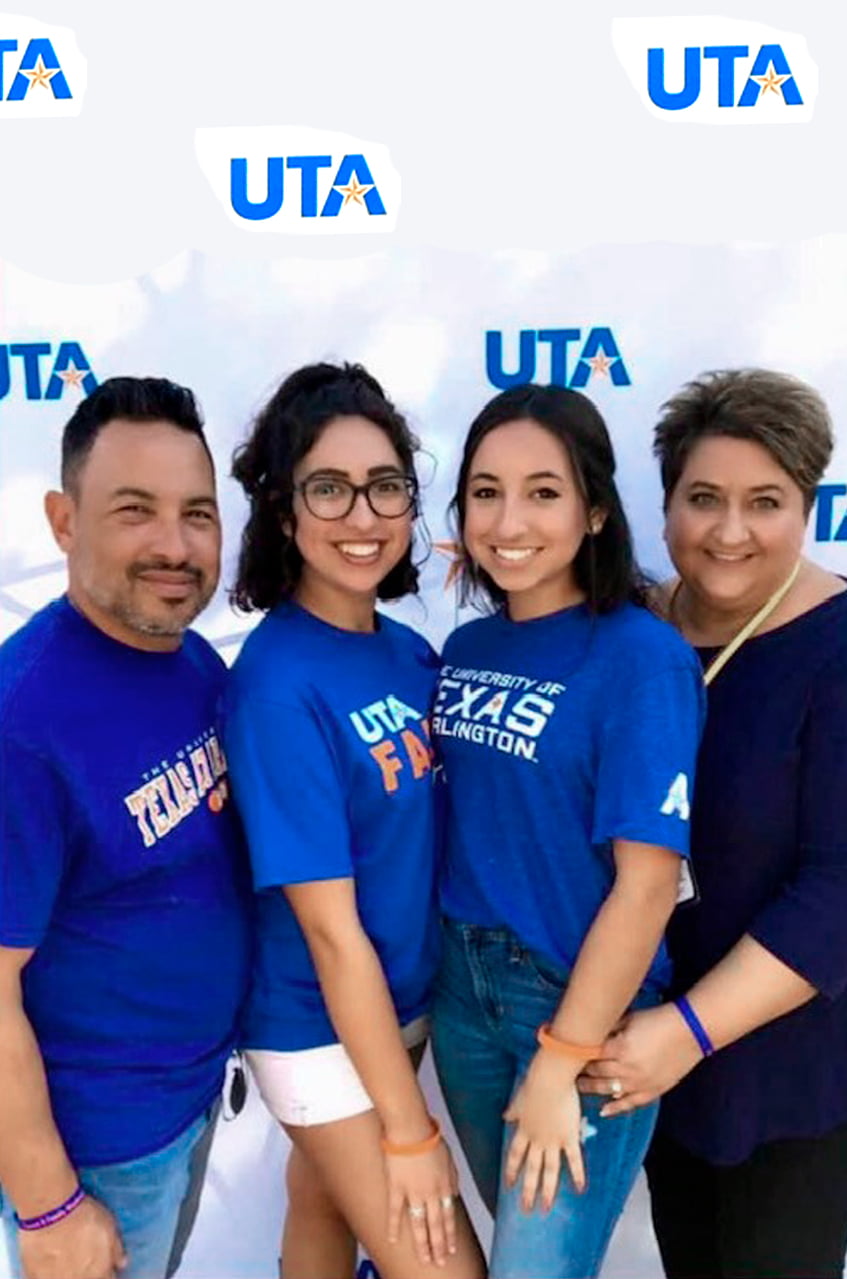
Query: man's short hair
point(135, 399)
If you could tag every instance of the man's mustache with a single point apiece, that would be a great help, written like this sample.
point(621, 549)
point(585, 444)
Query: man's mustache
point(166, 566)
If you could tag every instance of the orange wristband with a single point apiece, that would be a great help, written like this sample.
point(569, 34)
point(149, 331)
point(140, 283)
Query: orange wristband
point(414, 1147)
point(583, 1052)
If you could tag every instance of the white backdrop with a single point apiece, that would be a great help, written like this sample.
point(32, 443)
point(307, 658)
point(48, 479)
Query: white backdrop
point(530, 184)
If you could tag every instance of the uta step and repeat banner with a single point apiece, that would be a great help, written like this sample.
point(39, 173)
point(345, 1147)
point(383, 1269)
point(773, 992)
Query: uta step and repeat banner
point(462, 197)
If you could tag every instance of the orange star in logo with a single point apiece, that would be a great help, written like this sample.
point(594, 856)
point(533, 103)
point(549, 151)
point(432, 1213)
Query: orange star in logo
point(40, 74)
point(600, 363)
point(454, 553)
point(72, 376)
point(355, 190)
point(770, 81)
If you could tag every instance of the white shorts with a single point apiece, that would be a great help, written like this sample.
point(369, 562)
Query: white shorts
point(317, 1085)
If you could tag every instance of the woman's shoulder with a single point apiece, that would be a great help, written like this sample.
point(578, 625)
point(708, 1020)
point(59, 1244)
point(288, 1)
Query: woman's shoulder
point(468, 635)
point(408, 640)
point(649, 636)
point(274, 660)
point(815, 637)
point(819, 596)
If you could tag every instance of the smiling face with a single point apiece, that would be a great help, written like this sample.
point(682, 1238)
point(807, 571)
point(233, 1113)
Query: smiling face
point(345, 559)
point(735, 524)
point(525, 517)
point(141, 531)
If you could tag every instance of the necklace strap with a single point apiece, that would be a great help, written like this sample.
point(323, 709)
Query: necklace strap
point(749, 628)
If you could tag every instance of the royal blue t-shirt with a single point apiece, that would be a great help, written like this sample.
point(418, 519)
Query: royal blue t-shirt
point(122, 863)
point(559, 735)
point(769, 850)
point(327, 736)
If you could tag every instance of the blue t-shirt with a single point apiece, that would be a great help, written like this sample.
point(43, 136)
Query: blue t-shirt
point(769, 850)
point(123, 865)
point(327, 738)
point(559, 735)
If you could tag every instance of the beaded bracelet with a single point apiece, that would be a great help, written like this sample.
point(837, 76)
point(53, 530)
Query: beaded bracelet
point(695, 1025)
point(582, 1052)
point(55, 1214)
point(414, 1147)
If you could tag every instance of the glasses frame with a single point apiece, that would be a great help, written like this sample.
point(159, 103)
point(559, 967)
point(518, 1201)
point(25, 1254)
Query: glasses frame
point(409, 481)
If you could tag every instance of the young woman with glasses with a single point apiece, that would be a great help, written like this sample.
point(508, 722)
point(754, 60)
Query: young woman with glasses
point(329, 754)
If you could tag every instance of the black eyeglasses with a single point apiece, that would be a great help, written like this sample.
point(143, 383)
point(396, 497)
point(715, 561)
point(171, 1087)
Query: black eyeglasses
point(330, 498)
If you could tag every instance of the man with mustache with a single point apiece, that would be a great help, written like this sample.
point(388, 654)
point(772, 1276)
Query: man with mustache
point(123, 907)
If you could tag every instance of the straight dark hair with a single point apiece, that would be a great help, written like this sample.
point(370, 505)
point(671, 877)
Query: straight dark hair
point(604, 567)
point(285, 429)
point(135, 399)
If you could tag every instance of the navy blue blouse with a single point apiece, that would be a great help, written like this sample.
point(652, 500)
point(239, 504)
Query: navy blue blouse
point(769, 850)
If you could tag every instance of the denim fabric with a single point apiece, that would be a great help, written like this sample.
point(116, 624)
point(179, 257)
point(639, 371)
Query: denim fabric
point(145, 1196)
point(491, 996)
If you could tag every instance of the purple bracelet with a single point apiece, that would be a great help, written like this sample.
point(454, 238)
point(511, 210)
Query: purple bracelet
point(695, 1025)
point(54, 1215)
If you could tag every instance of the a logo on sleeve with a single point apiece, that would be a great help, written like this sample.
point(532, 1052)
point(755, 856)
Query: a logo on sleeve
point(397, 737)
point(171, 789)
point(506, 712)
point(676, 800)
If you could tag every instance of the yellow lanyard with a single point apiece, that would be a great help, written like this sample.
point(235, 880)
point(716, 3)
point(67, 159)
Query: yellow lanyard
point(716, 666)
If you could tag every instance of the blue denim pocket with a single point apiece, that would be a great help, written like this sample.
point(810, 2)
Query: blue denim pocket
point(546, 973)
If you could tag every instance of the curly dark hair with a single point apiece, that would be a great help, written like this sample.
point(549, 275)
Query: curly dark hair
point(605, 567)
point(285, 429)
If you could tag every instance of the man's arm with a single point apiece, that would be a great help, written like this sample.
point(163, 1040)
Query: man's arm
point(34, 1167)
point(35, 1170)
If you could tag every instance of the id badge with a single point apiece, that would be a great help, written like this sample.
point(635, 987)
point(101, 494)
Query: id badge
point(687, 892)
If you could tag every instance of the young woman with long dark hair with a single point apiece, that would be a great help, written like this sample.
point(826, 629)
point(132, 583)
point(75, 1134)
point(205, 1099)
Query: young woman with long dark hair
point(567, 720)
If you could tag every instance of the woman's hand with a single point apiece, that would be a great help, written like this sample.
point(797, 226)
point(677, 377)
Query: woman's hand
point(425, 1187)
point(650, 1052)
point(547, 1116)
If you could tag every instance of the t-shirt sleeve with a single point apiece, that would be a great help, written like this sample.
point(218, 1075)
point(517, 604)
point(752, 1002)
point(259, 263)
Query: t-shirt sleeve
point(647, 758)
point(32, 844)
point(288, 789)
point(804, 924)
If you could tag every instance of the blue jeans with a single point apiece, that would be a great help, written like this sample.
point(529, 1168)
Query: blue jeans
point(153, 1199)
point(491, 996)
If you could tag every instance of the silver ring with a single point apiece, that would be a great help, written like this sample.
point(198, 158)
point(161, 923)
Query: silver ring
point(447, 1202)
point(417, 1212)
point(616, 1089)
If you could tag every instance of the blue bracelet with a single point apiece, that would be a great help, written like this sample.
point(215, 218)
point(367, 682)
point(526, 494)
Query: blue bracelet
point(55, 1214)
point(695, 1025)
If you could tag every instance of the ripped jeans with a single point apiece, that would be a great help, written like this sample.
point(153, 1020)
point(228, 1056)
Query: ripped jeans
point(491, 996)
